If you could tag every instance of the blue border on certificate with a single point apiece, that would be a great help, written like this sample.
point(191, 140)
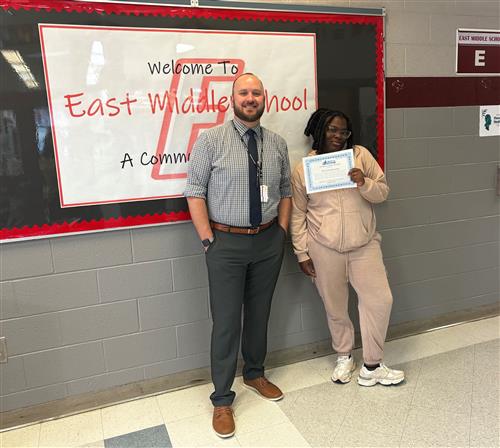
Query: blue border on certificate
point(309, 161)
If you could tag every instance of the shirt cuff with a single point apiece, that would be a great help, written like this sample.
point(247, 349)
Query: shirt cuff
point(194, 191)
point(303, 256)
point(367, 185)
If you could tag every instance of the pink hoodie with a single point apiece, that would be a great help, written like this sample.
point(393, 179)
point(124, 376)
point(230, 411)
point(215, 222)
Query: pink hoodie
point(342, 220)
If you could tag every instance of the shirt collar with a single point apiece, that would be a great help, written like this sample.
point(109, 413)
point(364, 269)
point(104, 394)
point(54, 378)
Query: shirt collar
point(242, 129)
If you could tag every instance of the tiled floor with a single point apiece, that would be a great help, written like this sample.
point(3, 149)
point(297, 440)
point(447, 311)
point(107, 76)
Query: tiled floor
point(450, 399)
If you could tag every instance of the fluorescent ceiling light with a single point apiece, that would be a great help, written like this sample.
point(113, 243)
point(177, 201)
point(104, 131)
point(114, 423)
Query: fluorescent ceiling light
point(16, 61)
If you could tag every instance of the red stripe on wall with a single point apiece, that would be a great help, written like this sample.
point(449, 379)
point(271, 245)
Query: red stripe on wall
point(404, 92)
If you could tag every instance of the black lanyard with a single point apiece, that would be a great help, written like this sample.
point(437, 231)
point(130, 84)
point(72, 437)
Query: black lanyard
point(258, 163)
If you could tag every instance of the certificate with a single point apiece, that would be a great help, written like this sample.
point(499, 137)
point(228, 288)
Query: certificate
point(328, 171)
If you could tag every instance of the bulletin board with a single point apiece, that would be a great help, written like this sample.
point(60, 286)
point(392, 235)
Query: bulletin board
point(100, 103)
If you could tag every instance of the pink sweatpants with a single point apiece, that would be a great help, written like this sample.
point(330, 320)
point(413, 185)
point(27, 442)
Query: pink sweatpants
point(365, 270)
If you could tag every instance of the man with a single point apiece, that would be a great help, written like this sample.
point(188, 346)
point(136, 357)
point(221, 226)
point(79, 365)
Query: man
point(238, 191)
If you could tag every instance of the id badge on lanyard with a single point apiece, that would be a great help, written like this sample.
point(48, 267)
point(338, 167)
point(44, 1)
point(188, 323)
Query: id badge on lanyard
point(264, 197)
point(264, 192)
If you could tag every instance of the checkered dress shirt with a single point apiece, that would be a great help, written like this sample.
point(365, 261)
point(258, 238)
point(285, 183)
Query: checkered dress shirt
point(218, 172)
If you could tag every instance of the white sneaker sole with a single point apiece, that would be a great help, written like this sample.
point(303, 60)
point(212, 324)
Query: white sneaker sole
point(224, 436)
point(345, 379)
point(367, 382)
point(262, 396)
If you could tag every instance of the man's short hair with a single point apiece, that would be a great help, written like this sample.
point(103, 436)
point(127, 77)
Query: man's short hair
point(245, 74)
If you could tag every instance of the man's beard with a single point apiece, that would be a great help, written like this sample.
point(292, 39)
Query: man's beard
point(248, 117)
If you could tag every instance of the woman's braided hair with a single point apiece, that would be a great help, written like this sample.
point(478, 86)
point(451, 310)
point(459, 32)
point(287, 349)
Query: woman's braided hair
point(316, 127)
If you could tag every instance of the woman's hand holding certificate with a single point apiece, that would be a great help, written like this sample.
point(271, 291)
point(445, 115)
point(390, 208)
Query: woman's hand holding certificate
point(329, 171)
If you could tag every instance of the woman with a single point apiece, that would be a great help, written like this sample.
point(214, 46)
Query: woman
point(336, 243)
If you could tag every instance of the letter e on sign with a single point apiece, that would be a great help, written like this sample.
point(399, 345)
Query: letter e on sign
point(479, 58)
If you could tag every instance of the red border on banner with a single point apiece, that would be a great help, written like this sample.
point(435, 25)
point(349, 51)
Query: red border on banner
point(94, 224)
point(187, 12)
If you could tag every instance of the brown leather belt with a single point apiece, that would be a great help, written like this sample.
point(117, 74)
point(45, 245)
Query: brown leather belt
point(242, 230)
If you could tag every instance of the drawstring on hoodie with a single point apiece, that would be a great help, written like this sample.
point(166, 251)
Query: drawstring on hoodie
point(346, 258)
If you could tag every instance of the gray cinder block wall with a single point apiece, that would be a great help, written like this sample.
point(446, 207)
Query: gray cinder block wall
point(85, 313)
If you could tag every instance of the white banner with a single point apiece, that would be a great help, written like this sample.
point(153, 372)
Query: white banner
point(127, 104)
point(489, 121)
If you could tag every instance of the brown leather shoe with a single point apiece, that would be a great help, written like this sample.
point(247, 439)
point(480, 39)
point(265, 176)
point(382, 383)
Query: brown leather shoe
point(264, 388)
point(223, 421)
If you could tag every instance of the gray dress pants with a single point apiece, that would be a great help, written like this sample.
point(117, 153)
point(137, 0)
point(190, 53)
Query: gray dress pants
point(242, 273)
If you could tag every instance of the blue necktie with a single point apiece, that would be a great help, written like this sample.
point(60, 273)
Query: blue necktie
point(253, 180)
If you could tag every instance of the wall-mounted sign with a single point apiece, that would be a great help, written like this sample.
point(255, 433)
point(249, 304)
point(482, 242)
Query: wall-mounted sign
point(489, 121)
point(478, 51)
point(127, 104)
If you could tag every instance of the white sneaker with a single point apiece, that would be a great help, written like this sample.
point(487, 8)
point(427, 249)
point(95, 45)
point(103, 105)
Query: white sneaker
point(343, 370)
point(383, 375)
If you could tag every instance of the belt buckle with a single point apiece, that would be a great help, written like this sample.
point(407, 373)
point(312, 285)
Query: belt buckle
point(253, 230)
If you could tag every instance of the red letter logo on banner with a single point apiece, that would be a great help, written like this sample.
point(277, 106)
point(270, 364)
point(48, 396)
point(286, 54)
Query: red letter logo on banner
point(194, 103)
